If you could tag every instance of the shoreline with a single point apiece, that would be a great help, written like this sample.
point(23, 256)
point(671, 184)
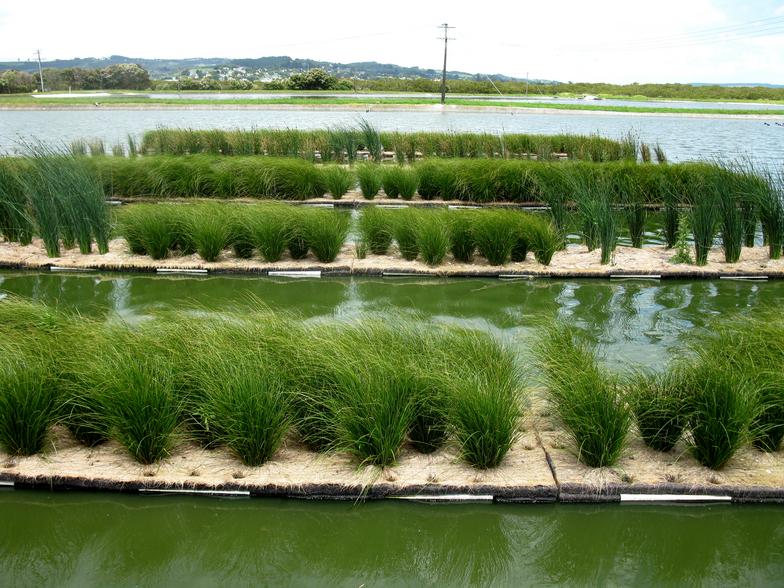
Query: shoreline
point(537, 469)
point(651, 262)
point(367, 108)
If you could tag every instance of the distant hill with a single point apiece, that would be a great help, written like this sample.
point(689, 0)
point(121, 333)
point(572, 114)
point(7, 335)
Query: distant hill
point(261, 68)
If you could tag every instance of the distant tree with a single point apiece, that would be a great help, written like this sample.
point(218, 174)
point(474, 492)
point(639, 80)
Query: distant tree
point(125, 76)
point(314, 79)
point(15, 82)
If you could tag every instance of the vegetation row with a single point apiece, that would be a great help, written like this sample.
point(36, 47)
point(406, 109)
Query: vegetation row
point(208, 229)
point(249, 381)
point(342, 144)
point(725, 391)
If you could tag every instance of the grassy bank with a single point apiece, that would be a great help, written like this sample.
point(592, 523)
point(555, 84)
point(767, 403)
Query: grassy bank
point(362, 102)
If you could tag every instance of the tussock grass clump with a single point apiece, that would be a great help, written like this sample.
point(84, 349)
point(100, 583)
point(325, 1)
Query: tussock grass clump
point(544, 240)
point(270, 227)
point(721, 408)
point(584, 396)
point(399, 181)
point(143, 411)
point(432, 237)
point(658, 403)
point(209, 229)
point(245, 407)
point(150, 229)
point(486, 402)
point(752, 348)
point(376, 227)
point(369, 176)
point(495, 234)
point(374, 413)
point(28, 402)
point(325, 232)
point(767, 428)
point(404, 230)
point(461, 235)
point(337, 180)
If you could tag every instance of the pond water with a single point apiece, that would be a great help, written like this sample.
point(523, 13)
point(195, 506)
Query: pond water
point(682, 138)
point(119, 540)
point(637, 322)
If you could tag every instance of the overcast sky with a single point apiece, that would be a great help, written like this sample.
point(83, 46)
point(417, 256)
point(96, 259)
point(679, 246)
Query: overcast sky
point(604, 40)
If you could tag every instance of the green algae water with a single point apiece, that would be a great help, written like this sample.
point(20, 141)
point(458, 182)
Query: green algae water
point(64, 539)
point(635, 321)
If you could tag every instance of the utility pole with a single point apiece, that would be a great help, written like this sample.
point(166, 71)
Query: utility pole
point(40, 69)
point(445, 38)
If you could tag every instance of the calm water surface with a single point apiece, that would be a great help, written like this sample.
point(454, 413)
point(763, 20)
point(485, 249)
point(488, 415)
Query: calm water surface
point(59, 539)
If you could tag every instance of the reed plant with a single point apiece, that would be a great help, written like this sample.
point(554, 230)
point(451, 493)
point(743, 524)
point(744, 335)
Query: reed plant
point(731, 222)
point(337, 180)
point(16, 222)
point(369, 176)
point(703, 220)
point(584, 396)
point(336, 142)
point(657, 400)
point(371, 139)
point(769, 199)
point(344, 142)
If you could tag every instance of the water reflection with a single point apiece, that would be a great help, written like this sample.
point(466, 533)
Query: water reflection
point(96, 539)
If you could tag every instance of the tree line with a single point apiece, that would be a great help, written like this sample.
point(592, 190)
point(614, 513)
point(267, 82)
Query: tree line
point(125, 76)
